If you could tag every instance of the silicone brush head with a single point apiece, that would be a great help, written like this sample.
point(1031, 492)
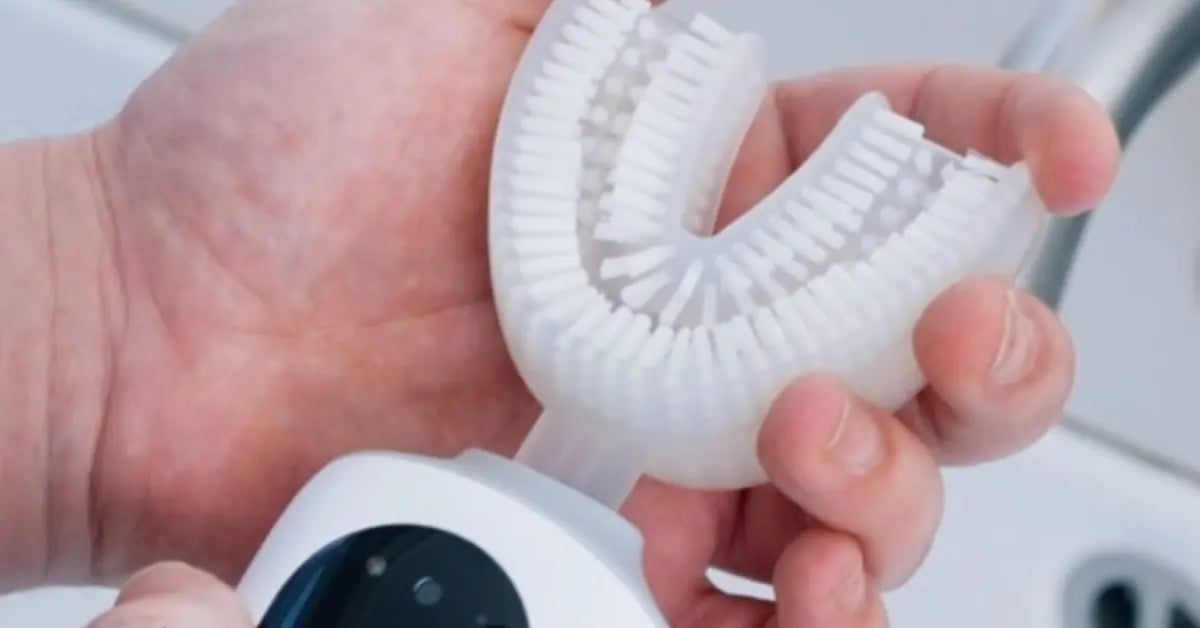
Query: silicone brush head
point(656, 346)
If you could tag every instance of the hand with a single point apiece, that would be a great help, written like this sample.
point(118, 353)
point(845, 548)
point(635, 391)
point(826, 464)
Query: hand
point(290, 224)
point(173, 595)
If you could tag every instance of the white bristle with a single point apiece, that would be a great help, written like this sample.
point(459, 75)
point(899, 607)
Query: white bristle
point(597, 311)
point(760, 269)
point(780, 255)
point(865, 275)
point(708, 315)
point(804, 244)
point(733, 280)
point(646, 159)
point(587, 39)
point(698, 48)
point(813, 319)
point(632, 339)
point(746, 344)
point(566, 130)
point(626, 199)
point(598, 23)
point(678, 87)
point(550, 186)
point(611, 328)
point(616, 85)
point(641, 133)
point(570, 55)
point(899, 125)
point(622, 233)
point(833, 208)
point(895, 148)
point(684, 290)
point(541, 205)
point(639, 293)
point(533, 164)
point(591, 181)
point(666, 101)
point(686, 65)
point(649, 29)
point(615, 11)
point(950, 234)
point(555, 108)
point(549, 264)
point(543, 245)
point(647, 182)
point(874, 183)
point(907, 255)
point(569, 305)
point(656, 348)
point(840, 197)
point(818, 226)
point(922, 240)
point(770, 334)
point(833, 307)
point(529, 225)
point(923, 160)
point(873, 160)
point(705, 26)
point(859, 302)
point(910, 190)
point(701, 356)
point(566, 75)
point(657, 118)
point(889, 265)
point(553, 285)
point(570, 95)
point(802, 341)
point(636, 264)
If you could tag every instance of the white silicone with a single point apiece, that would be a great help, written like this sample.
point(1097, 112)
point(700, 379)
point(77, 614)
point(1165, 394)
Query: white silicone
point(655, 346)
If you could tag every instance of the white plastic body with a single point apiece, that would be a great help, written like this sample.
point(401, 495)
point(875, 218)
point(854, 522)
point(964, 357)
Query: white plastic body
point(573, 562)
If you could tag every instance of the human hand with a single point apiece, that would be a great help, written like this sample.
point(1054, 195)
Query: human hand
point(291, 218)
point(174, 595)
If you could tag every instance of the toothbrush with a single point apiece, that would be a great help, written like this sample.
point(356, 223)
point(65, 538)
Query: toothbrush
point(655, 345)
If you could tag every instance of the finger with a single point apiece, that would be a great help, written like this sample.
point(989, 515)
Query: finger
point(821, 581)
point(175, 595)
point(856, 469)
point(1066, 137)
point(999, 365)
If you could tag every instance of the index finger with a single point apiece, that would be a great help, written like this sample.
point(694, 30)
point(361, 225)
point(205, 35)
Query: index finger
point(1066, 137)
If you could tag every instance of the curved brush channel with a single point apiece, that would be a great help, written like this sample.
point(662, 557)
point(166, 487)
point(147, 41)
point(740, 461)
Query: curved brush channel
point(655, 345)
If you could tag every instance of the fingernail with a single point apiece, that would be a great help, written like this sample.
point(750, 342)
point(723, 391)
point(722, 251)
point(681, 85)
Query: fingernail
point(857, 442)
point(1018, 350)
point(851, 593)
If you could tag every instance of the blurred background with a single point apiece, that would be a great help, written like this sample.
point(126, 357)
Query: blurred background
point(1097, 526)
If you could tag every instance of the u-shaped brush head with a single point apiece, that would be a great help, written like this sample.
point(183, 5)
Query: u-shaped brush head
point(656, 346)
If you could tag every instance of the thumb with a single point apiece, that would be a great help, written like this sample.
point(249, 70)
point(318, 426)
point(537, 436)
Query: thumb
point(176, 596)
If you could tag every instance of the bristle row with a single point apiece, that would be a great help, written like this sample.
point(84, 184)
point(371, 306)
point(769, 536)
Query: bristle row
point(826, 275)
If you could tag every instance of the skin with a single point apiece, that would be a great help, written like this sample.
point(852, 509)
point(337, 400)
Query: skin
point(276, 255)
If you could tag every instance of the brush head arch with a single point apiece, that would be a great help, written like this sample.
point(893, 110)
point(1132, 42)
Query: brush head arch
point(637, 327)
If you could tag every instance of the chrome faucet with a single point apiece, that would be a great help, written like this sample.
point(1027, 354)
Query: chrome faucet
point(1128, 54)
